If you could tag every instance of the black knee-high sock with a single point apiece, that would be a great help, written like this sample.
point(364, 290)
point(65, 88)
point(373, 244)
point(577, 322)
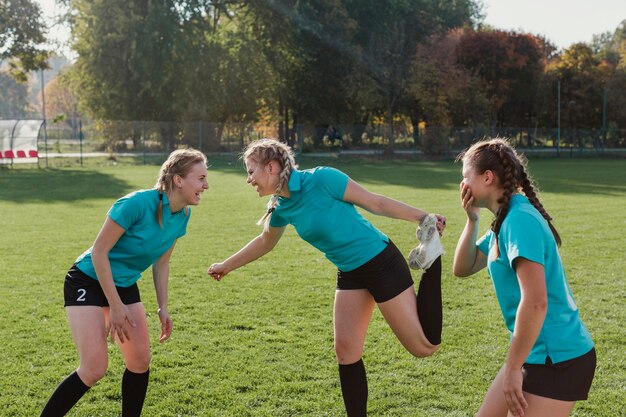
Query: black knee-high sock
point(429, 306)
point(134, 387)
point(69, 391)
point(354, 388)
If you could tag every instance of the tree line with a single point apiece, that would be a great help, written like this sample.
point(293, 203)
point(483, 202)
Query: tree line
point(322, 63)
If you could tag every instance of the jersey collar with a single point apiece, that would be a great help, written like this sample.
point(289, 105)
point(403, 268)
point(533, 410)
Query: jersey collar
point(295, 180)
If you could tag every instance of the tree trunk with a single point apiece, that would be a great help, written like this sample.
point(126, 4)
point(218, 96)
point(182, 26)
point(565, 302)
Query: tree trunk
point(292, 132)
point(280, 123)
point(391, 140)
point(285, 135)
point(357, 130)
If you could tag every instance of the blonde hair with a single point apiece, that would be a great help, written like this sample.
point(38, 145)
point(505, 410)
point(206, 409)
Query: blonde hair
point(263, 151)
point(178, 163)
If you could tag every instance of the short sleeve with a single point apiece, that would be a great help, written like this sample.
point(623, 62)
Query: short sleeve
point(276, 220)
point(331, 181)
point(483, 243)
point(127, 210)
point(523, 236)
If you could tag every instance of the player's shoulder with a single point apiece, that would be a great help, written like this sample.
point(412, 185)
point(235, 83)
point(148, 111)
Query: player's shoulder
point(138, 198)
point(325, 173)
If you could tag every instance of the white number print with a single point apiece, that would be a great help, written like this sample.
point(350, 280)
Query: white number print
point(82, 292)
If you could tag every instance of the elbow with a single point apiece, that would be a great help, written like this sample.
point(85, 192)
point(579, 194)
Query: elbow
point(541, 306)
point(377, 206)
point(460, 272)
point(98, 254)
point(538, 306)
point(266, 244)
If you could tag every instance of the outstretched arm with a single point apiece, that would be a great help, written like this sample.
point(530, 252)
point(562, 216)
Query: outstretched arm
point(256, 248)
point(385, 206)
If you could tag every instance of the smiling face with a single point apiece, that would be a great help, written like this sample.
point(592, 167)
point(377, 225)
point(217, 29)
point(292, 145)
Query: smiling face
point(262, 177)
point(477, 184)
point(193, 184)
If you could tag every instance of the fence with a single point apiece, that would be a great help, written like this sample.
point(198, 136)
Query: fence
point(76, 138)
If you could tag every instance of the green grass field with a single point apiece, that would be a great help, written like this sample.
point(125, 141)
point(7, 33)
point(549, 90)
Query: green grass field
point(260, 342)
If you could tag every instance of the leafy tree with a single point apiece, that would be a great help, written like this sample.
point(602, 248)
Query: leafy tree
point(61, 101)
point(447, 93)
point(306, 45)
point(13, 98)
point(387, 38)
point(578, 71)
point(510, 65)
point(128, 61)
point(22, 33)
point(224, 73)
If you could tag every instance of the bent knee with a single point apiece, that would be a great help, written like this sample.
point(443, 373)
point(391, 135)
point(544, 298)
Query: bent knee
point(91, 374)
point(347, 353)
point(424, 351)
point(139, 364)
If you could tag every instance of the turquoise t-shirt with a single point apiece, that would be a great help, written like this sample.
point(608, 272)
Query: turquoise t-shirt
point(525, 233)
point(316, 209)
point(144, 241)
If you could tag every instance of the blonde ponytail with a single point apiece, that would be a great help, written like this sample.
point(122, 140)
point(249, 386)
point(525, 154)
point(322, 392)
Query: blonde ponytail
point(178, 163)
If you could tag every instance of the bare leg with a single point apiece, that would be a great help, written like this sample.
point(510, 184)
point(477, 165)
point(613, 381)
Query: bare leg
point(494, 404)
point(136, 353)
point(352, 314)
point(136, 350)
point(353, 311)
point(547, 407)
point(401, 314)
point(88, 327)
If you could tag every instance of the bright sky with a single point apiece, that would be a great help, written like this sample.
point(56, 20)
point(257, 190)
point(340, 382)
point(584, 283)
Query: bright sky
point(563, 22)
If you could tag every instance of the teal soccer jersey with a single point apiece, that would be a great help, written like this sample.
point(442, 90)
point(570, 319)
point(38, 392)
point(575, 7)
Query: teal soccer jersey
point(525, 233)
point(316, 209)
point(144, 241)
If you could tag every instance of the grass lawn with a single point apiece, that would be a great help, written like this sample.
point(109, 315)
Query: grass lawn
point(260, 343)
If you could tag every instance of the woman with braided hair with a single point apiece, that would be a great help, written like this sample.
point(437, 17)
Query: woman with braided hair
point(320, 203)
point(101, 294)
point(551, 360)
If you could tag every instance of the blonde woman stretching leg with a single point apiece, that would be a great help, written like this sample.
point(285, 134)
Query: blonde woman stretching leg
point(320, 203)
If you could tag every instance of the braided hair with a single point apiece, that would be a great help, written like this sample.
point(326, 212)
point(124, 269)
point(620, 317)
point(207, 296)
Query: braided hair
point(498, 156)
point(178, 163)
point(263, 151)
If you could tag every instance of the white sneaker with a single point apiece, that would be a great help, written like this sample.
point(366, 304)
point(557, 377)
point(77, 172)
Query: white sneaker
point(430, 247)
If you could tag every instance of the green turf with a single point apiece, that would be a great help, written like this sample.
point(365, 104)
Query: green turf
point(259, 343)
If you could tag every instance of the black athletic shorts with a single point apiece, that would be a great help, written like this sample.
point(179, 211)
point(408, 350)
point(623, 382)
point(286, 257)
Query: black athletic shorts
point(566, 381)
point(384, 276)
point(82, 290)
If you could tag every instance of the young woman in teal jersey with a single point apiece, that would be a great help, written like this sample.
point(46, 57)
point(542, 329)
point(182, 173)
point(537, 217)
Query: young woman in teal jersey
point(101, 294)
point(320, 203)
point(551, 360)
